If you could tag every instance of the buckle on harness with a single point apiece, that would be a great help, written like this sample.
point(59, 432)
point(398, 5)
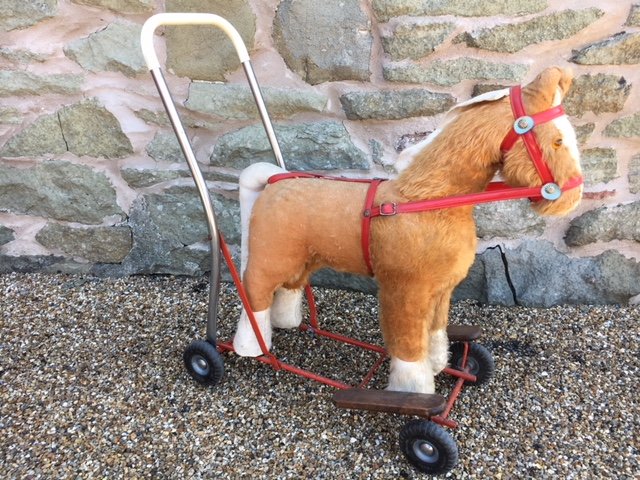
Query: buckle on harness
point(388, 209)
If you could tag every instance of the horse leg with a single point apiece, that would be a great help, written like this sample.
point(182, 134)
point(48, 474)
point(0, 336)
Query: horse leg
point(439, 347)
point(286, 310)
point(406, 314)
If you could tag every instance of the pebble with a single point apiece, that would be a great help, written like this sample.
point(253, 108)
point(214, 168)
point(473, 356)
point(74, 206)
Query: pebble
point(92, 386)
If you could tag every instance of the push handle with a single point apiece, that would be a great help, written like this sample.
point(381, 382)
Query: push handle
point(152, 23)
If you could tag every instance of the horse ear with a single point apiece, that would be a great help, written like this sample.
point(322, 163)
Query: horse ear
point(549, 83)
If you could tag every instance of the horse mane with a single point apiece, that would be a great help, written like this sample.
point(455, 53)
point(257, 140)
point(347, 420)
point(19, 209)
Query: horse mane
point(467, 143)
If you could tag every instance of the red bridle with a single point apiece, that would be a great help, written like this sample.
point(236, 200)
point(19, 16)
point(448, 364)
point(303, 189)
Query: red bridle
point(495, 191)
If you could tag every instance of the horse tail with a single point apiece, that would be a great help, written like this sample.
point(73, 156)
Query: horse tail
point(253, 180)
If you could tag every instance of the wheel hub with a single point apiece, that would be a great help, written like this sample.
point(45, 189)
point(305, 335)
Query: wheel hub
point(200, 365)
point(425, 451)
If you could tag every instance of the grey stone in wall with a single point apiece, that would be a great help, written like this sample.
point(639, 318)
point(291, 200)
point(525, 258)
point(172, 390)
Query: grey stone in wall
point(324, 41)
point(136, 178)
point(507, 219)
point(169, 228)
point(121, 6)
point(583, 132)
point(58, 190)
point(84, 128)
point(633, 20)
point(114, 48)
point(598, 93)
point(237, 102)
point(25, 13)
point(205, 52)
point(624, 127)
point(96, 244)
point(451, 72)
point(20, 83)
point(621, 49)
point(634, 174)
point(540, 275)
point(481, 88)
point(21, 56)
point(414, 40)
point(308, 146)
point(512, 37)
point(394, 104)
point(385, 9)
point(43, 136)
point(621, 222)
point(599, 165)
point(42, 264)
point(11, 116)
point(165, 148)
point(90, 129)
point(6, 235)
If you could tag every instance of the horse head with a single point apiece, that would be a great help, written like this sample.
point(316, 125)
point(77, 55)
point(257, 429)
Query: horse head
point(542, 121)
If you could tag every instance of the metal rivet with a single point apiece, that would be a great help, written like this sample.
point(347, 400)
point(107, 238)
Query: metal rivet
point(523, 125)
point(551, 191)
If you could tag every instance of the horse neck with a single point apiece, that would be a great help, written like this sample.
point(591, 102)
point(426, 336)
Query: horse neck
point(462, 159)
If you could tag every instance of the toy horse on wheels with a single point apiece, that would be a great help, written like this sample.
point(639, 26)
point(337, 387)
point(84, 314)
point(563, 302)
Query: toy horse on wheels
point(397, 230)
point(415, 234)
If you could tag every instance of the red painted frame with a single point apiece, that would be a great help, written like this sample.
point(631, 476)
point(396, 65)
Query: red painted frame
point(313, 326)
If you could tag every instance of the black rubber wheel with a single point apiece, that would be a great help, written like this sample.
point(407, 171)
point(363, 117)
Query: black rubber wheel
point(428, 447)
point(479, 362)
point(203, 362)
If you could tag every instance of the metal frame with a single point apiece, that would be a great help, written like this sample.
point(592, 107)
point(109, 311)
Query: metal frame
point(151, 59)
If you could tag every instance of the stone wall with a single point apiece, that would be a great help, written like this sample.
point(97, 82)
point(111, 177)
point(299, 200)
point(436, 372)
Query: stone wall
point(92, 179)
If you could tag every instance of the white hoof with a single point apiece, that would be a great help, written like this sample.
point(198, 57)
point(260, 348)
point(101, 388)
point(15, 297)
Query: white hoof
point(286, 310)
point(439, 351)
point(411, 376)
point(245, 342)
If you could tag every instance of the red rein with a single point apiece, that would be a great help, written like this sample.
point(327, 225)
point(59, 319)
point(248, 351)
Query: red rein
point(495, 192)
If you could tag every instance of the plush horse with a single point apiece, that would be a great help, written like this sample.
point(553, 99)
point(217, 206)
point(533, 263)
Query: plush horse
point(293, 227)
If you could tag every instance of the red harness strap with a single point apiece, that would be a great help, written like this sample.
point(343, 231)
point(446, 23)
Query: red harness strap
point(496, 191)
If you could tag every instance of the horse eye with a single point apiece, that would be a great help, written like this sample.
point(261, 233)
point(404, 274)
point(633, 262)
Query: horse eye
point(557, 142)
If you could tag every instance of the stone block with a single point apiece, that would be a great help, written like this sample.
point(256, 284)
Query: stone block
point(634, 174)
point(10, 116)
point(620, 222)
point(136, 178)
point(624, 127)
point(583, 132)
point(481, 88)
point(324, 41)
point(598, 93)
point(95, 244)
point(415, 40)
point(20, 83)
point(21, 56)
point(512, 37)
point(84, 128)
point(237, 102)
point(43, 136)
point(58, 190)
point(308, 146)
point(386, 9)
point(394, 104)
point(507, 220)
point(543, 276)
point(42, 264)
point(451, 72)
point(6, 235)
point(621, 49)
point(114, 48)
point(599, 165)
point(121, 6)
point(170, 233)
point(633, 20)
point(90, 129)
point(165, 148)
point(205, 52)
point(25, 13)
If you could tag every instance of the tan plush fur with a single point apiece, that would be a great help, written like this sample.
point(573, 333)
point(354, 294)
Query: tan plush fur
point(298, 226)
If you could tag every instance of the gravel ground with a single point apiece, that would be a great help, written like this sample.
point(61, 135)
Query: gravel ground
point(92, 385)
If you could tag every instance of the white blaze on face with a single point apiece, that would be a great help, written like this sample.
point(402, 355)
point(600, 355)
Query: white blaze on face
point(567, 132)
